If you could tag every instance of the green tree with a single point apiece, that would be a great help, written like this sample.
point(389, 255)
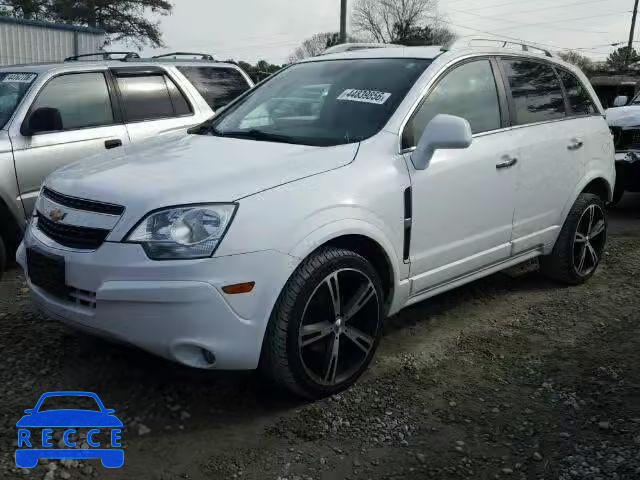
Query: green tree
point(622, 57)
point(126, 20)
point(577, 59)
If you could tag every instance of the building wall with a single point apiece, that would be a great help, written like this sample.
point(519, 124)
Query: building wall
point(25, 43)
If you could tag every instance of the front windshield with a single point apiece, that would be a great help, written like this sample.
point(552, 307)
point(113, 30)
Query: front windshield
point(13, 86)
point(322, 103)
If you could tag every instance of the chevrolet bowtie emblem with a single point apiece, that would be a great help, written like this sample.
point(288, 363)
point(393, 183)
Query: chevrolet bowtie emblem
point(57, 215)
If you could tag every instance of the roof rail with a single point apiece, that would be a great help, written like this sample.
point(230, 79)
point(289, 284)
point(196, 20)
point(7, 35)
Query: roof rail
point(503, 43)
point(104, 55)
point(203, 56)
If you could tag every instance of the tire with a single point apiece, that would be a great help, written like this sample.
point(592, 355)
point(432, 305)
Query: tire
point(304, 360)
point(577, 254)
point(3, 256)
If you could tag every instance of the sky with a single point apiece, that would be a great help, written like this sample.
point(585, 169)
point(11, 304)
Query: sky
point(251, 30)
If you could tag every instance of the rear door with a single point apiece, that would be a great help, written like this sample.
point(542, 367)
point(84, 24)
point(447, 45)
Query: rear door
point(152, 102)
point(550, 143)
point(82, 120)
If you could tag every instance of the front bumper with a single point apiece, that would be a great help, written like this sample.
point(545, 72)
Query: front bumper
point(628, 171)
point(174, 309)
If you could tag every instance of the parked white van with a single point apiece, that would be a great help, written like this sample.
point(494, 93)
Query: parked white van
point(283, 232)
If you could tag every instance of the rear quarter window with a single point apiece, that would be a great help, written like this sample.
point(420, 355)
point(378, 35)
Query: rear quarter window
point(218, 86)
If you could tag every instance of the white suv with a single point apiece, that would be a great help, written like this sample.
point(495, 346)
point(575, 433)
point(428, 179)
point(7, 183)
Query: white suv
point(281, 233)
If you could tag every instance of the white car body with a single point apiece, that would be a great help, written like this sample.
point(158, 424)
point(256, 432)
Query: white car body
point(466, 219)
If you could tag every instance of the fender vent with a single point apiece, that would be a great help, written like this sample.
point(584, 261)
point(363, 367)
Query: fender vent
point(408, 216)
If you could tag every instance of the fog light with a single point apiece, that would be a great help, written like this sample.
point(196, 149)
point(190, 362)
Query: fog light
point(209, 357)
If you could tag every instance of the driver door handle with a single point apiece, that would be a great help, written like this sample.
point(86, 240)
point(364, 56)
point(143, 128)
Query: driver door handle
point(507, 162)
point(575, 144)
point(109, 144)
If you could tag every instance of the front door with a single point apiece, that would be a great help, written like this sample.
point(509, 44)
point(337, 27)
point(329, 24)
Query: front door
point(75, 120)
point(463, 202)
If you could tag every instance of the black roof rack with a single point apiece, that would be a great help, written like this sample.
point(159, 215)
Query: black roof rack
point(104, 55)
point(203, 56)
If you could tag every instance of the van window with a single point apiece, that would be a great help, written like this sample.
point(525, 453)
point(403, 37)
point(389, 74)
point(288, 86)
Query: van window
point(469, 92)
point(536, 91)
point(81, 98)
point(218, 86)
point(579, 98)
point(151, 97)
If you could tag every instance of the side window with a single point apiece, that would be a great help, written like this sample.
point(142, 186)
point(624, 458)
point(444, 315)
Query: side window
point(469, 92)
point(151, 97)
point(536, 91)
point(579, 98)
point(81, 100)
point(218, 86)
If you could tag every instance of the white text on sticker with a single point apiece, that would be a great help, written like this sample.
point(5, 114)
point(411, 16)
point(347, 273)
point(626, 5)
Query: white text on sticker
point(365, 96)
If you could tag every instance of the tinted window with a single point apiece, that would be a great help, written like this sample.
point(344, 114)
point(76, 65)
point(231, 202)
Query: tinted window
point(322, 103)
point(151, 97)
point(579, 98)
point(536, 91)
point(469, 92)
point(218, 86)
point(81, 98)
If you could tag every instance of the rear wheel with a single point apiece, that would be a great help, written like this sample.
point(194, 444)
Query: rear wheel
point(581, 242)
point(326, 324)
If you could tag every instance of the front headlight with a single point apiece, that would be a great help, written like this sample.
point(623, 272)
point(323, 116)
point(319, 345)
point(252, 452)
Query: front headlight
point(183, 232)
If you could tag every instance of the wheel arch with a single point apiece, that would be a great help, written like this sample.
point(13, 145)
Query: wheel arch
point(365, 240)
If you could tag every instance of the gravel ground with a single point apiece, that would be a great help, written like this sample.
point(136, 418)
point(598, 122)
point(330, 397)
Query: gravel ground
point(506, 378)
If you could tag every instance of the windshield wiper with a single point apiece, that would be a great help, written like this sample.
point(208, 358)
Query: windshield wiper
point(254, 134)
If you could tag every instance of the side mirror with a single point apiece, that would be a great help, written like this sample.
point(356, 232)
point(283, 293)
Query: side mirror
point(443, 131)
point(109, 411)
point(44, 119)
point(29, 411)
point(621, 101)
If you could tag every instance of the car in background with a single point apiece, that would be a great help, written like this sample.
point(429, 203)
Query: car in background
point(55, 114)
point(624, 122)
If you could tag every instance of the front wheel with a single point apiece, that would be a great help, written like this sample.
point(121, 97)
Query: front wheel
point(326, 324)
point(580, 245)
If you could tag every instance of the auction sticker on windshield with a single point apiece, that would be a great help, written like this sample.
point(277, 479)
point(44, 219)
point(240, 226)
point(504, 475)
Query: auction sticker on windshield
point(365, 96)
point(19, 77)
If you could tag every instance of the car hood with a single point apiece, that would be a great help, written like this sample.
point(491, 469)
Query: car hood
point(69, 418)
point(623, 116)
point(181, 169)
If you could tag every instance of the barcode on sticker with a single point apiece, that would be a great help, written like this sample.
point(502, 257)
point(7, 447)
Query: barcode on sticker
point(365, 96)
point(19, 77)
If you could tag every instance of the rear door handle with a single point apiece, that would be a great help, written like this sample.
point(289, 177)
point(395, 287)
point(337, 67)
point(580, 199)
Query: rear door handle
point(109, 144)
point(575, 144)
point(507, 162)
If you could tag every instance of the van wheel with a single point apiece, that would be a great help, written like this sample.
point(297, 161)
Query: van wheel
point(580, 245)
point(326, 324)
point(3, 256)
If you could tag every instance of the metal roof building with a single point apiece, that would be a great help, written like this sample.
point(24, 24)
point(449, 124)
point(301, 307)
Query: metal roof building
point(30, 41)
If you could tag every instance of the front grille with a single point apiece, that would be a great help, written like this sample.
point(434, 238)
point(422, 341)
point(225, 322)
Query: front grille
point(82, 238)
point(82, 204)
point(626, 139)
point(83, 298)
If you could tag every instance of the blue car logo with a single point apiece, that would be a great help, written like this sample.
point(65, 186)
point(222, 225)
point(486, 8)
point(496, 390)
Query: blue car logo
point(31, 448)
